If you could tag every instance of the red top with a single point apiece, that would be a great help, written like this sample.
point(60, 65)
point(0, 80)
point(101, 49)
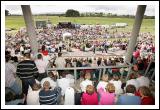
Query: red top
point(148, 101)
point(45, 52)
point(114, 70)
point(136, 54)
point(88, 99)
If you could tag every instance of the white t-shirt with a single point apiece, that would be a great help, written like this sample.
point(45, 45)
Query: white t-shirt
point(84, 84)
point(64, 83)
point(46, 58)
point(102, 84)
point(69, 96)
point(143, 81)
point(21, 49)
point(133, 82)
point(33, 97)
point(117, 85)
point(71, 78)
point(41, 65)
point(60, 62)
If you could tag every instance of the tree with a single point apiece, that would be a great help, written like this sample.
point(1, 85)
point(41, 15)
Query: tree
point(6, 12)
point(72, 13)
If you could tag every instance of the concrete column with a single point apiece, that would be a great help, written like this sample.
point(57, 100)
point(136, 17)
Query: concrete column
point(135, 31)
point(30, 27)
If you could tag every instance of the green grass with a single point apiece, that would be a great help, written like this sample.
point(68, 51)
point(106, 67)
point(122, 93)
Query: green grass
point(148, 25)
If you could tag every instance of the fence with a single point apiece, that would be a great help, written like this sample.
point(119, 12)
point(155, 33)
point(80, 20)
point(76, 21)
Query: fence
point(129, 66)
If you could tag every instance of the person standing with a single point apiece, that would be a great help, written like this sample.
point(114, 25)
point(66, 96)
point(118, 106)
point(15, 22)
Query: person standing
point(106, 47)
point(10, 76)
point(60, 46)
point(41, 65)
point(60, 62)
point(94, 49)
point(27, 72)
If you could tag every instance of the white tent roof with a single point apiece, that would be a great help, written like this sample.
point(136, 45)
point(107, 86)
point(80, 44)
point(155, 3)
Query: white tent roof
point(67, 34)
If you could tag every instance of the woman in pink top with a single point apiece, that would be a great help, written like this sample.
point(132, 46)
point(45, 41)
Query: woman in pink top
point(89, 97)
point(109, 97)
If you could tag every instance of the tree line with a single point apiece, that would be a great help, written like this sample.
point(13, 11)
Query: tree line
point(75, 13)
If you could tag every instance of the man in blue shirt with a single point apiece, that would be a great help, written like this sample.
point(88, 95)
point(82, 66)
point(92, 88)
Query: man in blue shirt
point(48, 96)
point(129, 98)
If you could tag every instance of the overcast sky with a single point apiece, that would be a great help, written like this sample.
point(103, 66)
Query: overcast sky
point(115, 9)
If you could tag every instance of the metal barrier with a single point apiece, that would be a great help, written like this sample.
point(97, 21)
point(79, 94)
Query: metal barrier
point(98, 67)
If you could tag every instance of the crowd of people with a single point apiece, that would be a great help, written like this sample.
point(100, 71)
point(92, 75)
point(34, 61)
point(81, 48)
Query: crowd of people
point(27, 81)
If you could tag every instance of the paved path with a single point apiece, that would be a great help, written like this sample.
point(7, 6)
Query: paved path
point(78, 53)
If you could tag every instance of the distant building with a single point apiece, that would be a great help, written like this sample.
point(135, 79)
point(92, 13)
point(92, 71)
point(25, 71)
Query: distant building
point(41, 24)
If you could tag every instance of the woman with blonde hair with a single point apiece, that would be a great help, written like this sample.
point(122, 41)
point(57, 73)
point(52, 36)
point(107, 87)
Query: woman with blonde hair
point(103, 83)
point(107, 97)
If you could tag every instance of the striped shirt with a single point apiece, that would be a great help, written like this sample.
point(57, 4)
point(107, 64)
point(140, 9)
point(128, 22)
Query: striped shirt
point(49, 97)
point(26, 69)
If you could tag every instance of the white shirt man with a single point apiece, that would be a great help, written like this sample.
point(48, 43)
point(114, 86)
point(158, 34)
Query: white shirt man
point(143, 81)
point(84, 84)
point(60, 62)
point(133, 82)
point(41, 65)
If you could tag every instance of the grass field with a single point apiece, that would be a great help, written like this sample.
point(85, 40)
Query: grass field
point(148, 25)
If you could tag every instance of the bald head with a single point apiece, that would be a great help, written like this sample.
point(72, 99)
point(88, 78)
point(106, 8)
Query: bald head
point(46, 85)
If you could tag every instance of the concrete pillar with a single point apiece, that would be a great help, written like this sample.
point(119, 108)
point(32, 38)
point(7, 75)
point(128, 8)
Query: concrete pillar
point(135, 31)
point(30, 27)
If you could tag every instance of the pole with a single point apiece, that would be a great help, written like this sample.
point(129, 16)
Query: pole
point(27, 14)
point(135, 31)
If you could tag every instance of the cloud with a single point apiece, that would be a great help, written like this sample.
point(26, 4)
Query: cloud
point(115, 9)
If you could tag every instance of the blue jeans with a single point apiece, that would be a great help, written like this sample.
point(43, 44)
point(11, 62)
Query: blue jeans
point(26, 83)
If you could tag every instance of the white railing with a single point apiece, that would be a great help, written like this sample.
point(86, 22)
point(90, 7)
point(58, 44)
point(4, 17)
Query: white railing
point(129, 66)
